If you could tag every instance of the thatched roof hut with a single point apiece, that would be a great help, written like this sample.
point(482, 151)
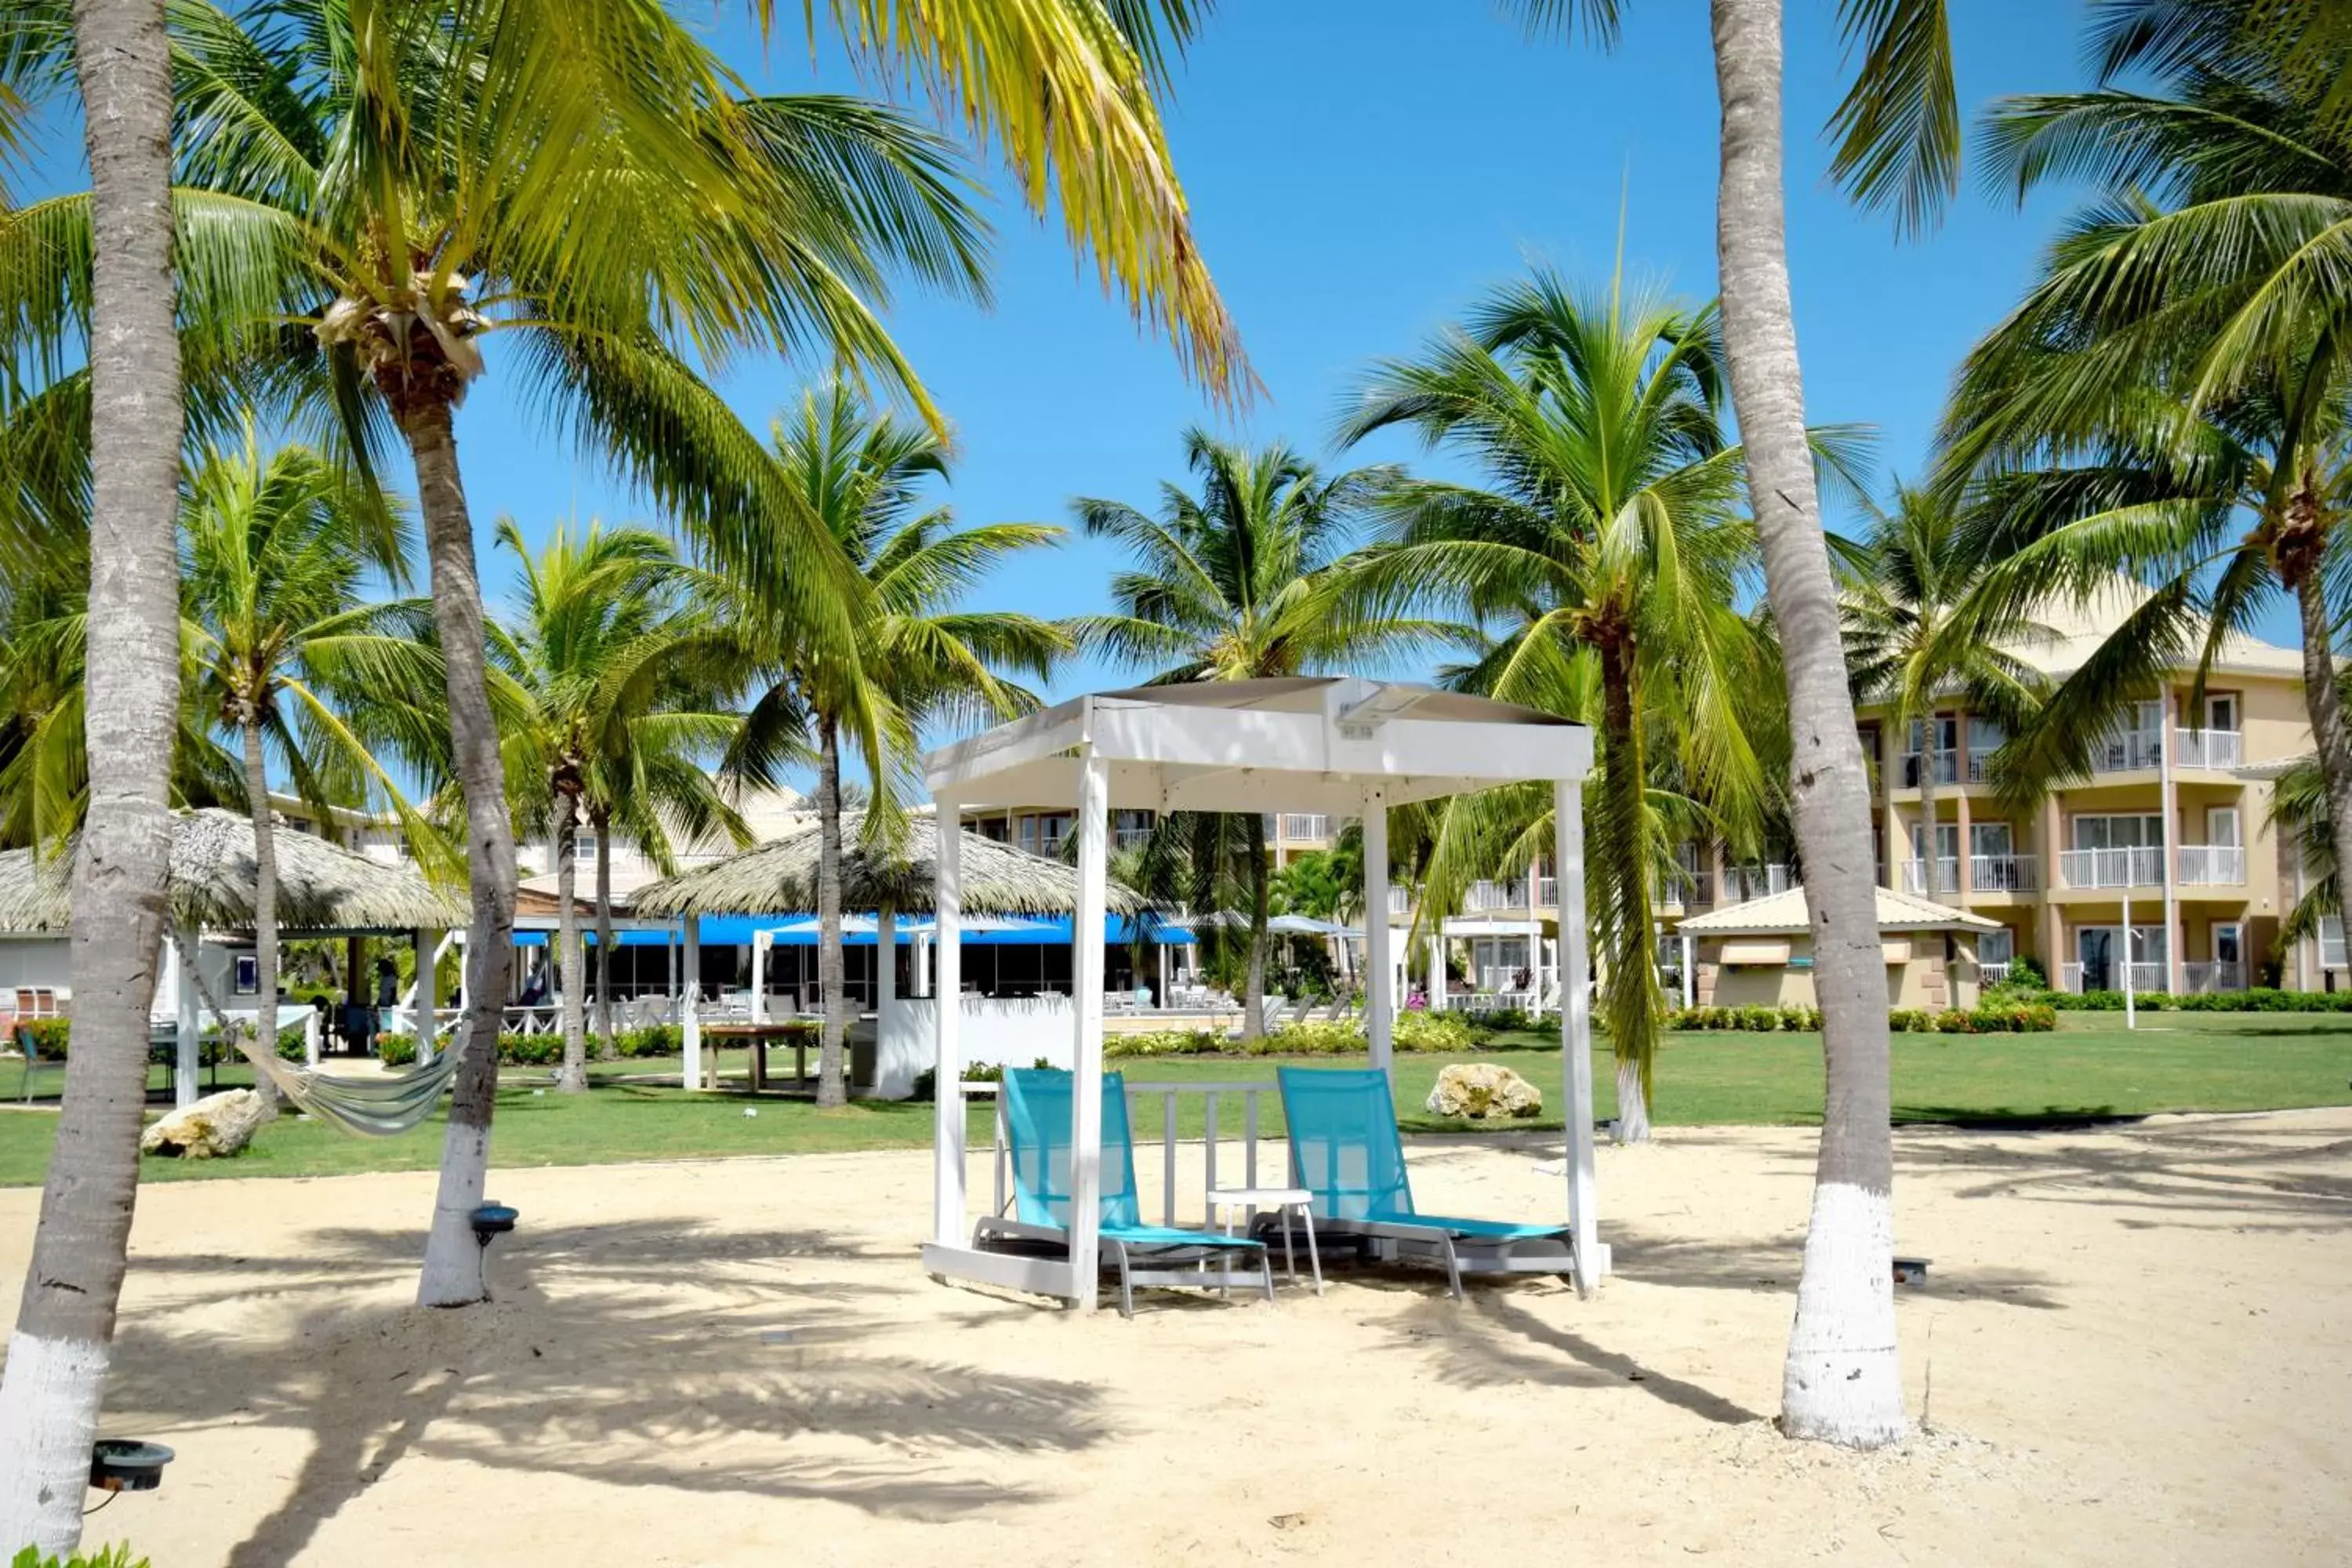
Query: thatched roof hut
point(321, 887)
point(997, 880)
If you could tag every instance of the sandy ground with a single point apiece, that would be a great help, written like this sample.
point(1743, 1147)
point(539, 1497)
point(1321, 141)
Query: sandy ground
point(2136, 1347)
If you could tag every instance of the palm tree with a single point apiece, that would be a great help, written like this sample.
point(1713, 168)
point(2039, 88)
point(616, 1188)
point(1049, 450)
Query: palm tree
point(1611, 552)
point(1919, 632)
point(603, 678)
point(276, 548)
point(1225, 587)
point(2169, 400)
point(914, 659)
point(1898, 137)
point(65, 1322)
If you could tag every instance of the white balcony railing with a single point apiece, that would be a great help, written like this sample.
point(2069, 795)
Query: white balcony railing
point(1547, 892)
point(2004, 873)
point(2212, 865)
point(2127, 751)
point(1947, 767)
point(2140, 867)
point(1947, 876)
point(1993, 973)
point(1741, 883)
point(1400, 900)
point(1301, 825)
point(2207, 747)
point(2197, 977)
point(1130, 838)
point(2144, 976)
point(1487, 895)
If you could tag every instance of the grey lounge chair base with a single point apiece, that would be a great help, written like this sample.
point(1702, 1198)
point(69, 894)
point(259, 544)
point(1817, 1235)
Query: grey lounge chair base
point(1456, 1252)
point(1138, 1263)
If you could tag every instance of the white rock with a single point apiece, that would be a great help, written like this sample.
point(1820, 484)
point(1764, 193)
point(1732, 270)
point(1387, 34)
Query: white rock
point(214, 1128)
point(1482, 1090)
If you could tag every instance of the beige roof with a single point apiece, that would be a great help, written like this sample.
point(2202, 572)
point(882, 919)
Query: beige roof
point(2076, 628)
point(1784, 914)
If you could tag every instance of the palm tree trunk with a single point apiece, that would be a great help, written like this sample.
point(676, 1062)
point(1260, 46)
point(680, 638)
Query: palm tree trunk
point(832, 1089)
point(603, 822)
point(452, 1275)
point(573, 1077)
point(1841, 1382)
point(264, 900)
point(1261, 887)
point(1623, 856)
point(2324, 701)
point(59, 1352)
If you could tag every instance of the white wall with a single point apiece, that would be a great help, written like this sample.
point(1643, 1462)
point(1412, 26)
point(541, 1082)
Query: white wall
point(1002, 1031)
point(36, 961)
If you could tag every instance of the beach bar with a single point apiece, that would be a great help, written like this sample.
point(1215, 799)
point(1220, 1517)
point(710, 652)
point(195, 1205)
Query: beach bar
point(1339, 745)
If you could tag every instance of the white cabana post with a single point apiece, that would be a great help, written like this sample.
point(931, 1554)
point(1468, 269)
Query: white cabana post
point(886, 967)
point(690, 1010)
point(760, 941)
point(187, 944)
point(424, 994)
point(1331, 745)
point(1379, 1007)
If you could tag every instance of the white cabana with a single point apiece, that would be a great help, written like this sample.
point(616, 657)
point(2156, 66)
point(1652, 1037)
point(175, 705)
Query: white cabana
point(1340, 746)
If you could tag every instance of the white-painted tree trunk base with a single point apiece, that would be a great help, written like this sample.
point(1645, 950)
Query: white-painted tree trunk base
point(1633, 1125)
point(48, 1407)
point(1843, 1383)
point(453, 1258)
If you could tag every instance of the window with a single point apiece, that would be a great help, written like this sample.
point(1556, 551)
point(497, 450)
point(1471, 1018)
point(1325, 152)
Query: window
point(1985, 737)
point(2229, 941)
point(1042, 834)
point(1990, 838)
point(2331, 941)
point(2221, 710)
point(2222, 826)
point(1997, 946)
point(1947, 840)
point(2137, 831)
point(249, 974)
point(584, 849)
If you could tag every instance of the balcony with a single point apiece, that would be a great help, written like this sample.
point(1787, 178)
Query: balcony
point(1130, 838)
point(1547, 892)
point(1947, 763)
point(2004, 873)
point(2212, 865)
point(1992, 974)
point(2129, 751)
point(1296, 827)
point(2130, 867)
point(2207, 747)
point(1400, 900)
point(2144, 977)
point(2203, 977)
point(1741, 883)
point(1485, 895)
point(1947, 876)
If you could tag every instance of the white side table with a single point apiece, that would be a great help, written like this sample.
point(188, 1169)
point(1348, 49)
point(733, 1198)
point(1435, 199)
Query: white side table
point(1229, 1201)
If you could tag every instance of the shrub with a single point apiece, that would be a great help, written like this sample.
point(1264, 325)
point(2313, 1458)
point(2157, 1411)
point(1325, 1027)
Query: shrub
point(1165, 1043)
point(2025, 975)
point(115, 1556)
point(49, 1037)
point(1904, 1020)
point(1433, 1032)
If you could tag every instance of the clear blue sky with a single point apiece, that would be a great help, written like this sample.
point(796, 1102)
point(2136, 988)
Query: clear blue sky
point(1359, 170)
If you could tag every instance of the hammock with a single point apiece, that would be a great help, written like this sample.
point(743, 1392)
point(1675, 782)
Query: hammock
point(374, 1108)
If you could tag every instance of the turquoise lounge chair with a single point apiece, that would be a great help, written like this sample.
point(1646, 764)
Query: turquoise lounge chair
point(1037, 1102)
point(1345, 1149)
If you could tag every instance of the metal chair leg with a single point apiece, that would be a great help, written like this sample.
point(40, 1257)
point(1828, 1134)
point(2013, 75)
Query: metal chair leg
point(1265, 1272)
point(1126, 1288)
point(1314, 1258)
point(1453, 1269)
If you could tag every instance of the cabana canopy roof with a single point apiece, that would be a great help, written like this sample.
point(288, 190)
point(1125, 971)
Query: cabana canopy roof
point(1784, 914)
point(321, 887)
point(1300, 744)
point(999, 879)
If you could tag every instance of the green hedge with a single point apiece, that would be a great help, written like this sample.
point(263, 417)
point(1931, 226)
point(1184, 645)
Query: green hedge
point(1994, 1019)
point(547, 1050)
point(2262, 999)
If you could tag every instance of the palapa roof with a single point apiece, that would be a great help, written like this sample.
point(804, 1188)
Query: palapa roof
point(997, 880)
point(321, 887)
point(1784, 914)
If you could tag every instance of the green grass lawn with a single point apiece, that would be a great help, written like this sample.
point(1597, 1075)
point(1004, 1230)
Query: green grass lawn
point(2092, 1066)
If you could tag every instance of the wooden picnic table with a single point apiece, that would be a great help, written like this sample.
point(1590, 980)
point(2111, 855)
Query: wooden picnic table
point(759, 1037)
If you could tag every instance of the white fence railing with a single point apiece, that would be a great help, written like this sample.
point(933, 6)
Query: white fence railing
point(1547, 892)
point(2004, 873)
point(1993, 973)
point(1304, 824)
point(2144, 976)
point(2213, 976)
point(1947, 763)
point(2128, 868)
point(1947, 876)
point(2124, 750)
point(1400, 900)
point(2212, 865)
point(1485, 895)
point(2207, 747)
point(1741, 883)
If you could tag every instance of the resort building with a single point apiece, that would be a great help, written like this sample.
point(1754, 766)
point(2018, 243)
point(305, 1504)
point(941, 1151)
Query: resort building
point(2164, 859)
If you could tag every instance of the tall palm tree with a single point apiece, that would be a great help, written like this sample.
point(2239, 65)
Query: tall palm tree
point(1610, 551)
point(65, 1322)
point(366, 204)
point(1223, 586)
point(915, 659)
point(1919, 632)
point(276, 549)
point(604, 676)
point(2169, 399)
point(1898, 135)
